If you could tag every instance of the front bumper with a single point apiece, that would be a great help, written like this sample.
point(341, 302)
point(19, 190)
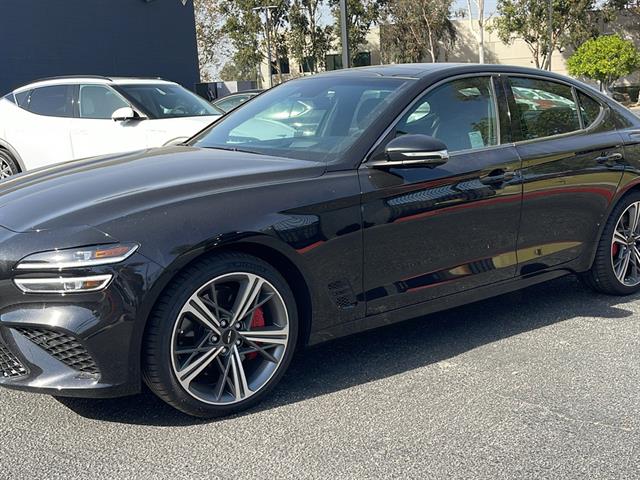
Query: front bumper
point(83, 344)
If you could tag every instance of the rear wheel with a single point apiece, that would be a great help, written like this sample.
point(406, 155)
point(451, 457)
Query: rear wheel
point(616, 268)
point(221, 337)
point(8, 165)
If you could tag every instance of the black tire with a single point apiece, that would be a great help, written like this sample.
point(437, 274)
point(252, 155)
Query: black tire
point(601, 277)
point(8, 165)
point(158, 372)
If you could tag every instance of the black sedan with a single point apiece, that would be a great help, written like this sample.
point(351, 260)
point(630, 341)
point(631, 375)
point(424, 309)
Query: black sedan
point(325, 206)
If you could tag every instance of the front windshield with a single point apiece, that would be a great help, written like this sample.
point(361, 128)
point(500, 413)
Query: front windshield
point(311, 119)
point(167, 101)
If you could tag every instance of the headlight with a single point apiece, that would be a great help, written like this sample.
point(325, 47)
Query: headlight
point(63, 285)
point(78, 257)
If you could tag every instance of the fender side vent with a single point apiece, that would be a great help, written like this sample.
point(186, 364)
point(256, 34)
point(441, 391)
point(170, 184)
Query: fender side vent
point(342, 294)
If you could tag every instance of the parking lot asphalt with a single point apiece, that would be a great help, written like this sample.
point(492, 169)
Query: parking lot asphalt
point(543, 383)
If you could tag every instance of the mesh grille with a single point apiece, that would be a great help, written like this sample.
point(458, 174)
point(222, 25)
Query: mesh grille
point(10, 366)
point(342, 294)
point(63, 347)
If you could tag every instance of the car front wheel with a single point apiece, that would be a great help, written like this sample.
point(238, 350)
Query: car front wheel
point(221, 337)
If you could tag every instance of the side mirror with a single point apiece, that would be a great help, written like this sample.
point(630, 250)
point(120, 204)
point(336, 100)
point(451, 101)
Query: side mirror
point(123, 114)
point(413, 151)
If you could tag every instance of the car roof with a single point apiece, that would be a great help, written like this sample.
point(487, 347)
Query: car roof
point(422, 70)
point(93, 79)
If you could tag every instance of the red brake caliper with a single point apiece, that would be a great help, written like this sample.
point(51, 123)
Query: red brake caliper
point(257, 321)
point(614, 250)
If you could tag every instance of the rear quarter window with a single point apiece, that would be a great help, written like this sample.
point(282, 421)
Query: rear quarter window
point(22, 98)
point(589, 109)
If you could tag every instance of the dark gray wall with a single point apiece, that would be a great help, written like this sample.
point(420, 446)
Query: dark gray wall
point(43, 38)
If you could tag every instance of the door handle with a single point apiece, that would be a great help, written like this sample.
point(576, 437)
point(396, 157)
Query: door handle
point(609, 160)
point(498, 176)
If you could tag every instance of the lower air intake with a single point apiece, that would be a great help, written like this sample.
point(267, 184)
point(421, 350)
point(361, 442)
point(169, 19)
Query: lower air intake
point(62, 347)
point(10, 366)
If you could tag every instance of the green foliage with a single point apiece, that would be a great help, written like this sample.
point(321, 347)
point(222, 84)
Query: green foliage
point(605, 59)
point(309, 42)
point(232, 71)
point(246, 30)
point(417, 30)
point(573, 22)
point(361, 15)
point(212, 44)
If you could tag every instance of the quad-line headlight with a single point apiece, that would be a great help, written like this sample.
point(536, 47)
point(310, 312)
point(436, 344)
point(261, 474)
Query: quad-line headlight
point(78, 257)
point(74, 258)
point(63, 285)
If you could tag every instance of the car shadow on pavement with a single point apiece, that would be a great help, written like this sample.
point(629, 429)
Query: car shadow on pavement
point(390, 350)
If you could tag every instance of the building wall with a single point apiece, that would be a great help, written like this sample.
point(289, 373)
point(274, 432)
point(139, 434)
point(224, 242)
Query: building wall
point(516, 53)
point(43, 38)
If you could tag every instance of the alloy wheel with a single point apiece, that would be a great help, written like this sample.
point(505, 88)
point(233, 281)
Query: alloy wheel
point(6, 170)
point(229, 338)
point(625, 246)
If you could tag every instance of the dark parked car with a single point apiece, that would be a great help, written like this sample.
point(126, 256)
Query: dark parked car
point(234, 100)
point(406, 190)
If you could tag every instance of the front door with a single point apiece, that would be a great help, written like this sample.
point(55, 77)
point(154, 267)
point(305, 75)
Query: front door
point(431, 232)
point(93, 132)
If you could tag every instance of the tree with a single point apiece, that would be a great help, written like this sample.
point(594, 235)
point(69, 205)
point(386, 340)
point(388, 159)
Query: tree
point(232, 72)
point(572, 23)
point(477, 27)
point(247, 33)
point(212, 44)
point(417, 30)
point(309, 41)
point(361, 15)
point(605, 59)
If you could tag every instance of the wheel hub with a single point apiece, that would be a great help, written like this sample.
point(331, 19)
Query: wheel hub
point(229, 337)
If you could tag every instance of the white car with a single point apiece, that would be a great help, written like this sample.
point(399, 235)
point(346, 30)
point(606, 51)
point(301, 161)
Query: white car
point(66, 118)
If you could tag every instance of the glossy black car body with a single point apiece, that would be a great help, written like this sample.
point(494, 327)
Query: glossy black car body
point(360, 246)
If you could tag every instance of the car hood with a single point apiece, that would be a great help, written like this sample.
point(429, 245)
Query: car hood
point(188, 125)
point(97, 190)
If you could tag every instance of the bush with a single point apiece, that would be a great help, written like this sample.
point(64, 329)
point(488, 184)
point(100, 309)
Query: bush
point(605, 59)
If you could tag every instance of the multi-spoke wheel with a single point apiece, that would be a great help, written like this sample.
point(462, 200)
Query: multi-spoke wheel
point(625, 253)
point(221, 337)
point(8, 165)
point(616, 268)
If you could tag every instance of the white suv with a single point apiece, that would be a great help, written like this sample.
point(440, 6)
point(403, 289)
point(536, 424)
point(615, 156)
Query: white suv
point(66, 118)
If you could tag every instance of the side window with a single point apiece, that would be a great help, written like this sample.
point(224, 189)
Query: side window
point(232, 102)
point(99, 102)
point(22, 98)
point(53, 101)
point(545, 108)
point(460, 113)
point(589, 109)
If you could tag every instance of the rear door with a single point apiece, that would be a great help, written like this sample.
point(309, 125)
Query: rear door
point(431, 232)
point(571, 167)
point(40, 131)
